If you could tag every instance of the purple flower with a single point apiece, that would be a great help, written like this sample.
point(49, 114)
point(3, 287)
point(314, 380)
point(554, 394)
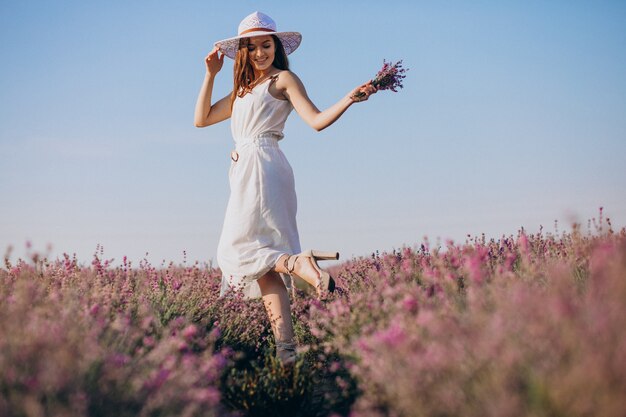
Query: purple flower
point(388, 78)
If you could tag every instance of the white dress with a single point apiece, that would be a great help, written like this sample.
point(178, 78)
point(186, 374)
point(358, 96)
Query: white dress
point(260, 222)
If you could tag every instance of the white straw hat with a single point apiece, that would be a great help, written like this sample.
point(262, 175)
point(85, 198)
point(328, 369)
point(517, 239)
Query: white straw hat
point(258, 24)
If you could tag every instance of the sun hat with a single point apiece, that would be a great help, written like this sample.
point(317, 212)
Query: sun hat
point(257, 24)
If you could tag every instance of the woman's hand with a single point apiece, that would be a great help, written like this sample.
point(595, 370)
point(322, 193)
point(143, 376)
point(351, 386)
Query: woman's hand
point(206, 113)
point(362, 92)
point(214, 62)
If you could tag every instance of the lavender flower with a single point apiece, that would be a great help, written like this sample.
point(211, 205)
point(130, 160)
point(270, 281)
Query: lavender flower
point(485, 327)
point(388, 78)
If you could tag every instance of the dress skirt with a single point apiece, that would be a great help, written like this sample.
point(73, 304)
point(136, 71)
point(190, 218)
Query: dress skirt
point(260, 221)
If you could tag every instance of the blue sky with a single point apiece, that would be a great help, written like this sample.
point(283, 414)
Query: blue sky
point(513, 114)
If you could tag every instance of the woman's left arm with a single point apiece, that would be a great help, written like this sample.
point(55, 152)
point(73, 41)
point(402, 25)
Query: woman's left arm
point(294, 90)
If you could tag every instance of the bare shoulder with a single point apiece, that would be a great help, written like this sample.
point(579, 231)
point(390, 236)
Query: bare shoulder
point(285, 79)
point(285, 84)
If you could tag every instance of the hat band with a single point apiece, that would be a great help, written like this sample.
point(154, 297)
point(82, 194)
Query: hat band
point(256, 30)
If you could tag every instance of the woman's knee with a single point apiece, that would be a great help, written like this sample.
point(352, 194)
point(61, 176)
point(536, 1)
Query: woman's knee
point(270, 281)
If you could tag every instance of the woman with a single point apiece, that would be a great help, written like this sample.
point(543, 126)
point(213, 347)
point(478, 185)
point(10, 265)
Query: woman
point(259, 246)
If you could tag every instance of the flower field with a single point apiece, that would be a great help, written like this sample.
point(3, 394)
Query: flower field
point(524, 325)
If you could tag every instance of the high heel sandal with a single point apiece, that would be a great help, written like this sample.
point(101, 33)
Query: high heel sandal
point(324, 281)
point(286, 353)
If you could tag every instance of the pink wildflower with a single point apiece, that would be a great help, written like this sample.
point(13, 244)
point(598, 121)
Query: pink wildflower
point(148, 341)
point(157, 379)
point(119, 359)
point(208, 395)
point(522, 241)
point(335, 366)
point(474, 263)
point(190, 331)
point(392, 336)
point(407, 265)
point(182, 346)
point(94, 309)
point(215, 333)
point(409, 303)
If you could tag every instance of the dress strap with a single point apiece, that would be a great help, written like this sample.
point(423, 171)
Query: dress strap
point(274, 77)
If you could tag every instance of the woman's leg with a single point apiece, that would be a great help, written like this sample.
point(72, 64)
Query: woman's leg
point(276, 301)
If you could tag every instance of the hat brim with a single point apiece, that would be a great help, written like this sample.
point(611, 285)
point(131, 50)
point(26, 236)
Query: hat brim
point(290, 41)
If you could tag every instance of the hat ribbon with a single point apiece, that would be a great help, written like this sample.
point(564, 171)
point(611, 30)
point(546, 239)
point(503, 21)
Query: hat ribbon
point(256, 30)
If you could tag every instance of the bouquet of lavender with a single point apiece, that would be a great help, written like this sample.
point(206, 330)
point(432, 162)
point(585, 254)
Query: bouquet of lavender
point(388, 78)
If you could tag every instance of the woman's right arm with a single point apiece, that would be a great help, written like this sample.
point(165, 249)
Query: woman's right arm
point(207, 114)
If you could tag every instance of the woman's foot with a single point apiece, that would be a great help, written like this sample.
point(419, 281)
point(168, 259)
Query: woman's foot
point(304, 265)
point(286, 353)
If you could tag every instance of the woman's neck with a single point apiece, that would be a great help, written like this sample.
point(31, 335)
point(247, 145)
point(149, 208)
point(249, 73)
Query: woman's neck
point(258, 74)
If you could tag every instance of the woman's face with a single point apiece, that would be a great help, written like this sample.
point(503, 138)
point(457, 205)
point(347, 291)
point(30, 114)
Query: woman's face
point(261, 50)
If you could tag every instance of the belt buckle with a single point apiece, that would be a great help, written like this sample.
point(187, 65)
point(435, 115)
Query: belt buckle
point(234, 156)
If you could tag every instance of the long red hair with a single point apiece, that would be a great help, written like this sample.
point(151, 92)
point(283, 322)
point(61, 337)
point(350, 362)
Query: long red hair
point(244, 72)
